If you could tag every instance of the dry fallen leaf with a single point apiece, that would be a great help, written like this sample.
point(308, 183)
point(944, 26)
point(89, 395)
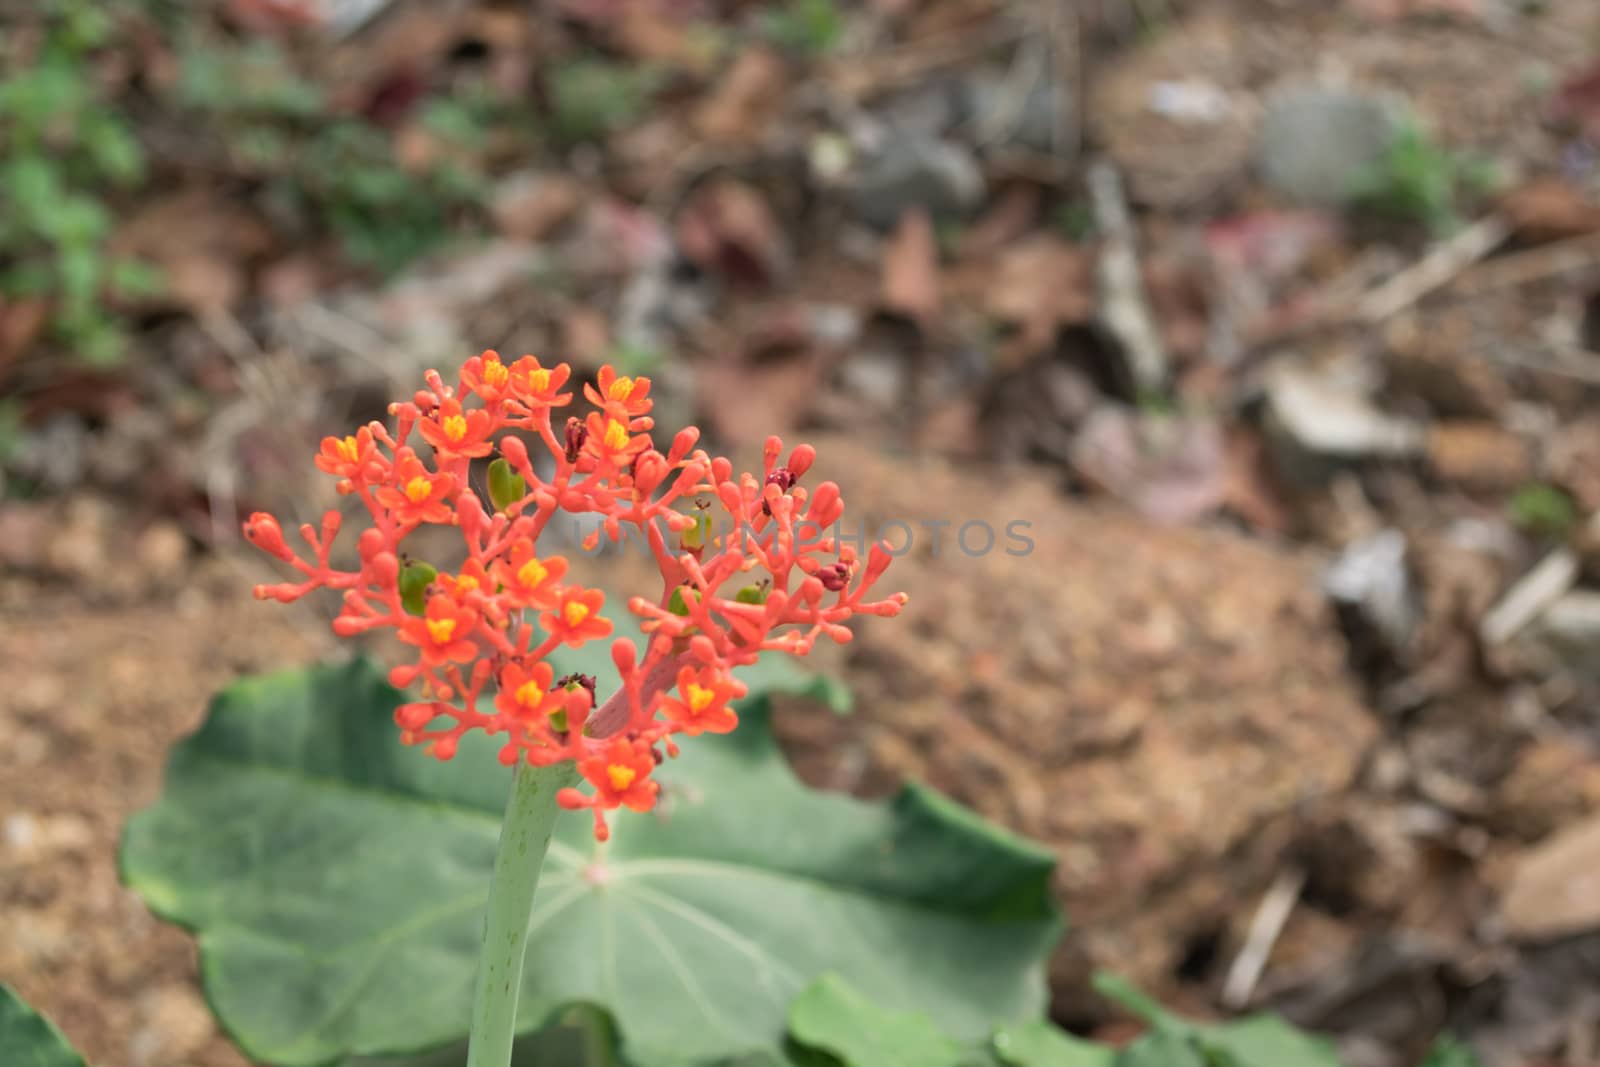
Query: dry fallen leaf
point(21, 323)
point(1388, 10)
point(585, 336)
point(1172, 469)
point(529, 206)
point(726, 228)
point(1248, 488)
point(747, 98)
point(911, 269)
point(201, 243)
point(1555, 887)
point(770, 381)
point(1040, 286)
point(1549, 209)
point(1013, 213)
point(649, 32)
point(1578, 101)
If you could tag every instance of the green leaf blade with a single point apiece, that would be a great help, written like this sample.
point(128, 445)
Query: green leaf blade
point(28, 1039)
point(337, 880)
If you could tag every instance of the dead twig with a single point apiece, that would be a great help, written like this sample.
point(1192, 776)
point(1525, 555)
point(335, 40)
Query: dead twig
point(1123, 307)
point(1265, 929)
point(1529, 597)
point(1535, 265)
point(1438, 268)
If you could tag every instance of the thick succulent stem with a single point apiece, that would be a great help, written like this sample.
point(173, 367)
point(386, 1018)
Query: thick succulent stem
point(524, 838)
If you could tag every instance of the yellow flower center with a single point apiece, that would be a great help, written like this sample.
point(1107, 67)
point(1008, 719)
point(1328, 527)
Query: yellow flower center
point(532, 573)
point(575, 612)
point(616, 435)
point(349, 450)
point(621, 777)
point(700, 697)
point(455, 427)
point(441, 630)
point(538, 380)
point(495, 373)
point(529, 695)
point(418, 489)
point(621, 389)
point(466, 584)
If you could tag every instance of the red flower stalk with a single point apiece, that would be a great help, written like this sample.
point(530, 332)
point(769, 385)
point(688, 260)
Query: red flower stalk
point(759, 577)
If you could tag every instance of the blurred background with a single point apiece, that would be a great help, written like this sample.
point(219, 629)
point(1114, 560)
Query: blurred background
point(1276, 322)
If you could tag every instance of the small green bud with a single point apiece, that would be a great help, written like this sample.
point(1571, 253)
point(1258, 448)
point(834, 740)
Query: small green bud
point(415, 577)
point(678, 604)
point(558, 721)
point(697, 536)
point(506, 486)
point(751, 594)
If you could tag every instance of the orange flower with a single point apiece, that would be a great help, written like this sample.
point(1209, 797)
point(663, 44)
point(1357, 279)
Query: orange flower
point(418, 495)
point(480, 659)
point(621, 398)
point(704, 707)
point(538, 386)
point(442, 634)
point(576, 617)
point(456, 434)
point(528, 581)
point(525, 691)
point(621, 775)
point(344, 457)
point(471, 586)
point(487, 376)
point(610, 441)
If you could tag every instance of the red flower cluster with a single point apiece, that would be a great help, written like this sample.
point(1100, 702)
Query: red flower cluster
point(768, 580)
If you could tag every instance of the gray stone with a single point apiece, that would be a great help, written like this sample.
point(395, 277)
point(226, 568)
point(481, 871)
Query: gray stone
point(909, 169)
point(1005, 111)
point(1315, 143)
point(1371, 576)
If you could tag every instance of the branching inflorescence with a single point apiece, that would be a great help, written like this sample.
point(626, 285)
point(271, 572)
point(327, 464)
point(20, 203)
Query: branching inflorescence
point(767, 578)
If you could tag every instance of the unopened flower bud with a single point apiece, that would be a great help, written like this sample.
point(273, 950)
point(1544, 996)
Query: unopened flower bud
point(263, 531)
point(694, 538)
point(678, 604)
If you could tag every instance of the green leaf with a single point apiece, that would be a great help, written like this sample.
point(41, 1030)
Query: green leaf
point(1040, 1044)
point(1449, 1051)
point(831, 1015)
point(336, 880)
point(1168, 1049)
point(28, 1039)
point(1267, 1041)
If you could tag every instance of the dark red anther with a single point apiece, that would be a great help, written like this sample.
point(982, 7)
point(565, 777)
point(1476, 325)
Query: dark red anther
point(835, 577)
point(569, 680)
point(577, 434)
point(784, 479)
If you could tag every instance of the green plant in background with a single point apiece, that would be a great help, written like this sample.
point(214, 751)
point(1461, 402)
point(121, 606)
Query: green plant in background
point(384, 215)
point(809, 27)
point(1543, 510)
point(1419, 180)
point(332, 172)
point(593, 98)
point(61, 143)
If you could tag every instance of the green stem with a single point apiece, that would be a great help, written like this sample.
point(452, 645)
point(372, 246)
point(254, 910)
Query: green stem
point(524, 837)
